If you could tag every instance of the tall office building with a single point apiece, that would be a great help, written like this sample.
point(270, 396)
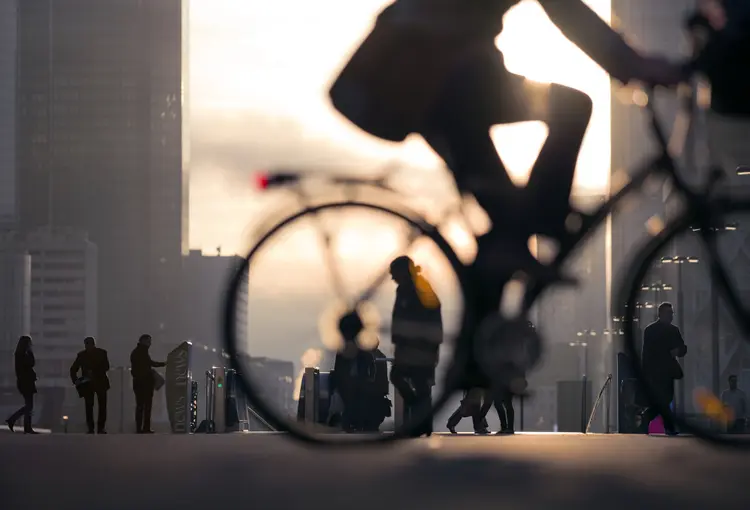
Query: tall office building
point(654, 27)
point(658, 27)
point(15, 312)
point(100, 124)
point(8, 46)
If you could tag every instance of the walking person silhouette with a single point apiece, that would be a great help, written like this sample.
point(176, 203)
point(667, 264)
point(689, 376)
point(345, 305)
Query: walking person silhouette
point(26, 384)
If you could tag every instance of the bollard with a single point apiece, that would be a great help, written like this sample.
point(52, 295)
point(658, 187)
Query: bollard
point(583, 405)
point(220, 400)
point(311, 397)
point(608, 396)
point(65, 424)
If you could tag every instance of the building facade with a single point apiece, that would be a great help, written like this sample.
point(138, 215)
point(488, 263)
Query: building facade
point(15, 304)
point(100, 124)
point(8, 53)
point(205, 284)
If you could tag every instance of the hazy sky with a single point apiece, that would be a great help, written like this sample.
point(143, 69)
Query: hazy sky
point(259, 75)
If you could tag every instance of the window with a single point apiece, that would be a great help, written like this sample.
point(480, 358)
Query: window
point(62, 308)
point(70, 254)
point(63, 280)
point(64, 265)
point(64, 293)
point(56, 334)
point(55, 322)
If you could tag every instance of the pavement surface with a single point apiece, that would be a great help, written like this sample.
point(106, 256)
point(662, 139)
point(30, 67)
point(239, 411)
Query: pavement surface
point(271, 471)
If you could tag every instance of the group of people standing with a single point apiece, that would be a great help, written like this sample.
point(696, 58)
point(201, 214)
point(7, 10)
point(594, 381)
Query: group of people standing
point(89, 374)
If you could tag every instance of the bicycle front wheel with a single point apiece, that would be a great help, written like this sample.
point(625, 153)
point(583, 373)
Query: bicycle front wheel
point(690, 277)
point(308, 323)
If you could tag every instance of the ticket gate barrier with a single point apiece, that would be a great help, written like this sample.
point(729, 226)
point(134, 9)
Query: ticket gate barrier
point(179, 388)
point(227, 409)
point(193, 406)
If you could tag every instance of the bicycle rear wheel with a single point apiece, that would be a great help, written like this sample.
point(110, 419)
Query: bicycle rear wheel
point(713, 321)
point(289, 295)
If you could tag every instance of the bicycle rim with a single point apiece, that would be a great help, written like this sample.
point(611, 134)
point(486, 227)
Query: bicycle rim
point(230, 319)
point(629, 291)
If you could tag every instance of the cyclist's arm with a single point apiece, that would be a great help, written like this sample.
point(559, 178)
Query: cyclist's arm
point(719, 42)
point(594, 37)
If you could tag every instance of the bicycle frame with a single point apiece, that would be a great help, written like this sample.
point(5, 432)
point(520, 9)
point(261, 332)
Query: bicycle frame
point(662, 164)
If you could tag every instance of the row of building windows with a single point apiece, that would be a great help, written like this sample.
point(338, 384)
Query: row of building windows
point(74, 307)
point(51, 266)
point(76, 254)
point(57, 293)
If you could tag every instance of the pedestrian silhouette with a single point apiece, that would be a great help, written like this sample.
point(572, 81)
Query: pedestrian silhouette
point(472, 405)
point(417, 332)
point(141, 368)
point(26, 384)
point(662, 345)
point(93, 363)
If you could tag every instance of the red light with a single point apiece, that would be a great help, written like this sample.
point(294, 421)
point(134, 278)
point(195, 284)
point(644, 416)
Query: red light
point(261, 181)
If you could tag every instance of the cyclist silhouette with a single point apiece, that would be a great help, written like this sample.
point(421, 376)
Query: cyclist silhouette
point(431, 67)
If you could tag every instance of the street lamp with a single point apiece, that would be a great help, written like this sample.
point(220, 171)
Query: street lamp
point(743, 170)
point(656, 288)
point(714, 298)
point(582, 342)
point(643, 306)
point(679, 261)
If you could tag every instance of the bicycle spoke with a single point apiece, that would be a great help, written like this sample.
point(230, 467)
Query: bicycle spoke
point(330, 261)
point(383, 276)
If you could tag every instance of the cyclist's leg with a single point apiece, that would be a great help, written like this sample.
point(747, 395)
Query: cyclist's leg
point(458, 130)
point(482, 93)
point(551, 180)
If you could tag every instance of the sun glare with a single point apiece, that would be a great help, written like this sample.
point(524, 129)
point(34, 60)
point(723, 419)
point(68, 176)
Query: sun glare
point(533, 47)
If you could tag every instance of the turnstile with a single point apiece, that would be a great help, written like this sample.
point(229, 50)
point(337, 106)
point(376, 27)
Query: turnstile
point(227, 408)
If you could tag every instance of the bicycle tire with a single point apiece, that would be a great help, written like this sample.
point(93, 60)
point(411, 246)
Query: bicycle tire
point(415, 221)
point(637, 271)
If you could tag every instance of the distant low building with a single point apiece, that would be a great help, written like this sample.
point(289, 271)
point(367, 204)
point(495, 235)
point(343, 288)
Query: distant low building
point(205, 283)
point(274, 381)
point(64, 307)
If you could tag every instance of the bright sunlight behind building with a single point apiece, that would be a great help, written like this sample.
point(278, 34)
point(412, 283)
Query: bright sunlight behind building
point(534, 47)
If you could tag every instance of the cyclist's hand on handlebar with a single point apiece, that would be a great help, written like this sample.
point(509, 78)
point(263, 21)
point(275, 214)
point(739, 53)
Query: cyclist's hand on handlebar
point(660, 71)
